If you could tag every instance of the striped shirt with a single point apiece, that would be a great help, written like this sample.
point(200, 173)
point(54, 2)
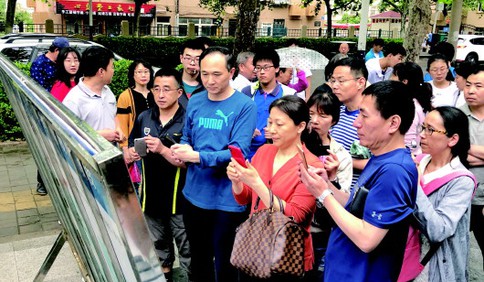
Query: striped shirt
point(344, 132)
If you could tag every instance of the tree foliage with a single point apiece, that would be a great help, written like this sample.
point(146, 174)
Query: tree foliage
point(22, 16)
point(350, 19)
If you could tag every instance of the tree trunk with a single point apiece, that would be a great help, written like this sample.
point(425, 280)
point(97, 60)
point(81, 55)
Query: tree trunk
point(455, 22)
point(249, 12)
point(137, 10)
point(403, 26)
point(329, 18)
point(10, 16)
point(419, 15)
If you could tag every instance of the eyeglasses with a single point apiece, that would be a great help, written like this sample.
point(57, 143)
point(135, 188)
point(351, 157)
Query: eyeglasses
point(436, 70)
point(341, 81)
point(429, 130)
point(264, 68)
point(157, 90)
point(140, 72)
point(190, 59)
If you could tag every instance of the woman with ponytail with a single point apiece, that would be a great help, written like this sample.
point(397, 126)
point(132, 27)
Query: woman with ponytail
point(411, 74)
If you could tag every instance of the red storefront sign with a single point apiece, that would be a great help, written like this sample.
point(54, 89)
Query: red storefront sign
point(103, 9)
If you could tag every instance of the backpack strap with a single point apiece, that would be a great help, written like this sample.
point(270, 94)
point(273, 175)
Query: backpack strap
point(431, 187)
point(435, 184)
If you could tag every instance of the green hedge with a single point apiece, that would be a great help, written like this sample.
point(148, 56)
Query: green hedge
point(9, 127)
point(164, 52)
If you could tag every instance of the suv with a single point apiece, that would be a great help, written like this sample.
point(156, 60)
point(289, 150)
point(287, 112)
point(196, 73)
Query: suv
point(470, 48)
point(26, 49)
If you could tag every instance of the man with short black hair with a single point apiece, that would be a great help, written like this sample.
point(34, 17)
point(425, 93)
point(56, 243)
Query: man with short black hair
point(163, 177)
point(91, 99)
point(215, 119)
point(368, 241)
point(348, 82)
point(265, 90)
point(380, 69)
point(190, 58)
point(376, 50)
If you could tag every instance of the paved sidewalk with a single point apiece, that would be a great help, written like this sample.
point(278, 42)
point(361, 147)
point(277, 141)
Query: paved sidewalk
point(22, 210)
point(29, 225)
point(28, 222)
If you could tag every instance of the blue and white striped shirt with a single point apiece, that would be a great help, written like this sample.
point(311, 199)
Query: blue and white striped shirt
point(344, 132)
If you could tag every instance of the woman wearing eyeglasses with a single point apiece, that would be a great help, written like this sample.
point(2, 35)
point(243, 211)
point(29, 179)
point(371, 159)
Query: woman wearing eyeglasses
point(134, 100)
point(444, 89)
point(444, 214)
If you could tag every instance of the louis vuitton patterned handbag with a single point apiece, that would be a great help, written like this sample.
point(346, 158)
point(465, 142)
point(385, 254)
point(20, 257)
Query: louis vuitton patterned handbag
point(269, 243)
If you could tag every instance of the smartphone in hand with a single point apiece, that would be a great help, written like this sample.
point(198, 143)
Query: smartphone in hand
point(303, 156)
point(237, 155)
point(140, 147)
point(168, 141)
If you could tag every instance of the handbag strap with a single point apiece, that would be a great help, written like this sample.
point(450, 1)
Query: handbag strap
point(281, 206)
point(271, 205)
point(433, 249)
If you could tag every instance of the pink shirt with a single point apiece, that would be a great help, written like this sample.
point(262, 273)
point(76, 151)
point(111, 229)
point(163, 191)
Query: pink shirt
point(412, 137)
point(60, 89)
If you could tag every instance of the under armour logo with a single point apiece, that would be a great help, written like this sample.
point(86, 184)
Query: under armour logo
point(222, 115)
point(378, 216)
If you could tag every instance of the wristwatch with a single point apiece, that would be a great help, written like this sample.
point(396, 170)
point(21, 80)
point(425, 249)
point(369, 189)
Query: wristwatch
point(320, 199)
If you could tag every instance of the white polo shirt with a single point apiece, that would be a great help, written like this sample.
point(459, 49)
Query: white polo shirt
point(97, 111)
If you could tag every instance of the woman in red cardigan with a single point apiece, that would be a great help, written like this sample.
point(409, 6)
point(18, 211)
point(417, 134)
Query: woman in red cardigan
point(275, 167)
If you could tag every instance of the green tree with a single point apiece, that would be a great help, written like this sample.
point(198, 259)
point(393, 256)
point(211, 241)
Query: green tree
point(22, 16)
point(350, 19)
point(3, 8)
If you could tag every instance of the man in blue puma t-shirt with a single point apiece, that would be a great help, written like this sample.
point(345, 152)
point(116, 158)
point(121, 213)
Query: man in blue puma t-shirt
point(216, 118)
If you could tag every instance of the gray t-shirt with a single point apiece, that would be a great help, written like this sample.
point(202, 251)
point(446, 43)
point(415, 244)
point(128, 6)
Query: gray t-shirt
point(476, 133)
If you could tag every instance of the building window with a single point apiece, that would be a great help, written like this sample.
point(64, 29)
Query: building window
point(279, 23)
point(266, 29)
point(317, 24)
point(203, 26)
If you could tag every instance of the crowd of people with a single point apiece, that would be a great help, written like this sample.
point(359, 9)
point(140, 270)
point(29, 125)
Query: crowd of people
point(385, 151)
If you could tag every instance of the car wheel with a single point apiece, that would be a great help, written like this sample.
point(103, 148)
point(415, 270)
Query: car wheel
point(472, 57)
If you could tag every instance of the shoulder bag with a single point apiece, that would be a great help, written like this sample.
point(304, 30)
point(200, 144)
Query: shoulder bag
point(268, 243)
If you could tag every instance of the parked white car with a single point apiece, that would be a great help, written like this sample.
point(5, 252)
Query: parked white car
point(470, 48)
point(27, 49)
